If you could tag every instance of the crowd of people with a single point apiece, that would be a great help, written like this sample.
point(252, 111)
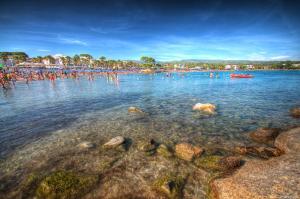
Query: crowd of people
point(8, 77)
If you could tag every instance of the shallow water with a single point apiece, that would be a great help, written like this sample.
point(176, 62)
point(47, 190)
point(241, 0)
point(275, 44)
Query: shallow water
point(43, 119)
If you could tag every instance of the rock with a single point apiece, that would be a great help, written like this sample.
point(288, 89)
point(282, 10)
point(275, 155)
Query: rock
point(218, 163)
point(86, 145)
point(187, 151)
point(62, 184)
point(265, 135)
point(149, 147)
point(170, 185)
point(210, 163)
point(207, 108)
point(273, 178)
point(277, 177)
point(114, 142)
point(164, 151)
point(289, 141)
point(295, 112)
point(259, 151)
point(230, 162)
point(134, 110)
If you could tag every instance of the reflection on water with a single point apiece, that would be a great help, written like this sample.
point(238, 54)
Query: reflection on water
point(45, 118)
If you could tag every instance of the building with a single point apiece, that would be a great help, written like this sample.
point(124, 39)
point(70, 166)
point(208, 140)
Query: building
point(249, 67)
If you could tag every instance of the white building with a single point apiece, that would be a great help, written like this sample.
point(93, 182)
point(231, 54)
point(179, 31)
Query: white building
point(228, 67)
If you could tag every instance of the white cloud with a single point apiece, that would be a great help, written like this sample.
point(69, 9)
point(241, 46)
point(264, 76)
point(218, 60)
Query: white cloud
point(43, 50)
point(281, 57)
point(74, 41)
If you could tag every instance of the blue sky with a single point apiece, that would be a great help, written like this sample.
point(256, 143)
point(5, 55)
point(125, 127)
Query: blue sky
point(166, 30)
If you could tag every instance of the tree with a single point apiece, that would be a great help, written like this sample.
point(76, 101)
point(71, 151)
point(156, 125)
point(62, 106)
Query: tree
point(50, 58)
point(76, 60)
point(102, 58)
point(86, 58)
point(64, 61)
point(68, 60)
point(4, 57)
point(148, 61)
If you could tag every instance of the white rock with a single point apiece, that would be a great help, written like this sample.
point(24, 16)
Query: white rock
point(116, 141)
point(86, 145)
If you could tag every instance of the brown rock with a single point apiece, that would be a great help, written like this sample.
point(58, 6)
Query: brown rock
point(133, 109)
point(289, 141)
point(230, 162)
point(278, 177)
point(207, 108)
point(273, 178)
point(187, 151)
point(295, 112)
point(264, 135)
point(259, 151)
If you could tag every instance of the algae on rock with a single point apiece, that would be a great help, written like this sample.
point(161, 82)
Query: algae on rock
point(66, 185)
point(170, 185)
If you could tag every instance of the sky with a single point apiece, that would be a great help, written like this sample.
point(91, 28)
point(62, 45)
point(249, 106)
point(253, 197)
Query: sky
point(166, 29)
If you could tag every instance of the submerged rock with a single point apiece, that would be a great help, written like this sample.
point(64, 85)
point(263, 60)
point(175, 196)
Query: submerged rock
point(265, 135)
point(207, 108)
point(86, 145)
point(133, 109)
point(230, 162)
point(259, 151)
point(218, 163)
point(295, 112)
point(170, 185)
point(277, 177)
point(187, 151)
point(164, 151)
point(62, 184)
point(210, 163)
point(149, 147)
point(114, 142)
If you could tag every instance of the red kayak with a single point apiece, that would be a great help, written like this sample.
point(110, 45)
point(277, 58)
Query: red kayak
point(241, 76)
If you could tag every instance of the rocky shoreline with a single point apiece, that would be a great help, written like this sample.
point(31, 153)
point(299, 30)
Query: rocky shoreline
point(131, 167)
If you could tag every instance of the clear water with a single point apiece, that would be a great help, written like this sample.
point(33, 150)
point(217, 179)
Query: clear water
point(31, 112)
point(41, 125)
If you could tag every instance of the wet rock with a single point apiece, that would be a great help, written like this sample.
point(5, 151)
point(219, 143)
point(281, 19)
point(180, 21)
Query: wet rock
point(289, 141)
point(170, 185)
point(149, 147)
point(265, 135)
point(62, 184)
point(133, 109)
point(164, 151)
point(295, 112)
point(230, 162)
point(114, 142)
point(258, 151)
point(218, 163)
point(187, 151)
point(207, 108)
point(274, 178)
point(210, 163)
point(86, 145)
point(277, 177)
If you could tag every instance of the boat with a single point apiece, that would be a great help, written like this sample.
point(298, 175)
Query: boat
point(241, 76)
